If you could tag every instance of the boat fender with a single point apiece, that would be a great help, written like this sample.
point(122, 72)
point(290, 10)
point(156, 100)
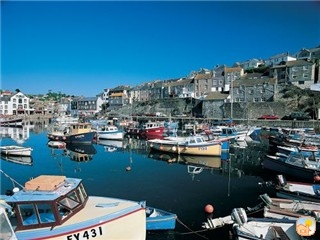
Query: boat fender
point(151, 145)
point(239, 216)
point(161, 148)
point(174, 148)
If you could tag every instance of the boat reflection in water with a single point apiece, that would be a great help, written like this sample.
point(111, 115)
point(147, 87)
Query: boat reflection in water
point(195, 164)
point(24, 160)
point(80, 152)
point(111, 145)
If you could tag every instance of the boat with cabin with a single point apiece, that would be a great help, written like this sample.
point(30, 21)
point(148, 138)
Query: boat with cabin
point(296, 164)
point(191, 145)
point(152, 130)
point(109, 132)
point(57, 207)
point(72, 133)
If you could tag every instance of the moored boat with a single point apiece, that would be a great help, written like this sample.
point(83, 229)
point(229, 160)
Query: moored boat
point(72, 133)
point(16, 150)
point(57, 144)
point(56, 207)
point(158, 219)
point(110, 132)
point(297, 190)
point(192, 145)
point(296, 164)
point(152, 130)
point(255, 228)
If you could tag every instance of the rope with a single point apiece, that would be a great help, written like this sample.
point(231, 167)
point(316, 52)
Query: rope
point(12, 180)
point(191, 231)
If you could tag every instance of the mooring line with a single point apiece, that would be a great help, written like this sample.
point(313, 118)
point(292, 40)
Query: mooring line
point(191, 231)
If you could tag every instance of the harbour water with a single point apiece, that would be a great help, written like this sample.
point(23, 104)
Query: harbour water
point(131, 171)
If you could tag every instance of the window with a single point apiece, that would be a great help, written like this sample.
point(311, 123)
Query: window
point(45, 213)
point(305, 75)
point(28, 214)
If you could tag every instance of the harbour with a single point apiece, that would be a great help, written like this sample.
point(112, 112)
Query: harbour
point(133, 172)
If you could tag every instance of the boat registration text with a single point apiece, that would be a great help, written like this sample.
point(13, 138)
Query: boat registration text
point(87, 234)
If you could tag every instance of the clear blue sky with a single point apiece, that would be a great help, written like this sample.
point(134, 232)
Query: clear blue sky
point(81, 48)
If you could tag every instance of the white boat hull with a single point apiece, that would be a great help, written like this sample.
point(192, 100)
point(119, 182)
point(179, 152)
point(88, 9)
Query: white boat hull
point(16, 151)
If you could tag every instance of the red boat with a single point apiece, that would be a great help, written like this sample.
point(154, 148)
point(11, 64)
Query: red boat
point(152, 130)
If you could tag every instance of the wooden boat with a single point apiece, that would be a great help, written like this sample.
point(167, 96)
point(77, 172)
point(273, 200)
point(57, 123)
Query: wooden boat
point(255, 228)
point(192, 145)
point(109, 132)
point(296, 164)
point(57, 144)
point(16, 150)
point(158, 219)
point(23, 160)
point(72, 133)
point(56, 207)
point(297, 190)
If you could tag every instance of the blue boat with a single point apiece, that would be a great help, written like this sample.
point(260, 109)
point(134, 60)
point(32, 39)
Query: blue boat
point(158, 219)
point(72, 133)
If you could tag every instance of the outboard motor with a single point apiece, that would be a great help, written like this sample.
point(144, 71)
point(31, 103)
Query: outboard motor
point(282, 180)
point(266, 199)
point(239, 216)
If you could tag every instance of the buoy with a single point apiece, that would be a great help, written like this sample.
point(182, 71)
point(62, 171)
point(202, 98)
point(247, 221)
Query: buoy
point(128, 168)
point(316, 178)
point(209, 208)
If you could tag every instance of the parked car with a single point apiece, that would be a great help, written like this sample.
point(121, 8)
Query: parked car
point(297, 116)
point(269, 117)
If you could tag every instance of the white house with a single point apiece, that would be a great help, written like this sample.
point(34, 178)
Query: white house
point(13, 104)
point(277, 59)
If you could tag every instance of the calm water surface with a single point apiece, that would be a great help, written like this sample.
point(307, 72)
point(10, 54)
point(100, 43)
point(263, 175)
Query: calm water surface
point(153, 177)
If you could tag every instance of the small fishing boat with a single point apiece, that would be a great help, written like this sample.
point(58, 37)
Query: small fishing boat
point(158, 219)
point(192, 145)
point(280, 208)
point(152, 130)
point(57, 144)
point(72, 133)
point(57, 207)
point(109, 132)
point(16, 150)
point(255, 228)
point(296, 164)
point(297, 190)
